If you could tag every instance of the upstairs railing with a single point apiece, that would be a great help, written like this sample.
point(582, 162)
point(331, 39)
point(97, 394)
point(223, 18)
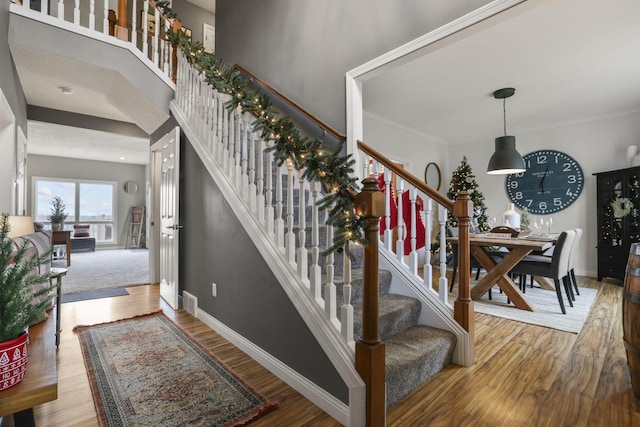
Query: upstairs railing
point(139, 24)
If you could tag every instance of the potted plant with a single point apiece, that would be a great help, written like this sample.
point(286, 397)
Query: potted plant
point(20, 304)
point(58, 214)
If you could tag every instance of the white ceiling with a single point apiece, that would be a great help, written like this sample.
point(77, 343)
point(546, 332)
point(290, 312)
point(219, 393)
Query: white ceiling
point(569, 61)
point(43, 76)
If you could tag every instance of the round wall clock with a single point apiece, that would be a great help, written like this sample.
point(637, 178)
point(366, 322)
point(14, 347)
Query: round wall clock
point(552, 182)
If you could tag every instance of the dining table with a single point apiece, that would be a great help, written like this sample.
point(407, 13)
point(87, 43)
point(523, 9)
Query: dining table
point(482, 247)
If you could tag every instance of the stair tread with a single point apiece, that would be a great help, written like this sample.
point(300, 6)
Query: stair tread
point(396, 314)
point(413, 357)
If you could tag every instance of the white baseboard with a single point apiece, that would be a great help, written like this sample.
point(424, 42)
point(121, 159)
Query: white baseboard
point(325, 401)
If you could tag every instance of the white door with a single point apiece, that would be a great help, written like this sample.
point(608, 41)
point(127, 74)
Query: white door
point(169, 169)
point(209, 39)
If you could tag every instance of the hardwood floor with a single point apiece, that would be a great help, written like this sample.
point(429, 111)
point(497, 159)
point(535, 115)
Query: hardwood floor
point(523, 374)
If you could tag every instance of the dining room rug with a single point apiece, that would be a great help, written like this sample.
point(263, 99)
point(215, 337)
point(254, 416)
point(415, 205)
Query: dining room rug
point(544, 301)
point(147, 371)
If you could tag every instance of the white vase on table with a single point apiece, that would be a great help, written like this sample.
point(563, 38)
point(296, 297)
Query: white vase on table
point(511, 217)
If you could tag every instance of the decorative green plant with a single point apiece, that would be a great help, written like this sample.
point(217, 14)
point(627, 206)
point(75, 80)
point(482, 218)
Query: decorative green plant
point(18, 309)
point(58, 214)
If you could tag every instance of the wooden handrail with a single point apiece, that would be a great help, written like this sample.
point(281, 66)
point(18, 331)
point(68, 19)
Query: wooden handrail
point(412, 179)
point(322, 125)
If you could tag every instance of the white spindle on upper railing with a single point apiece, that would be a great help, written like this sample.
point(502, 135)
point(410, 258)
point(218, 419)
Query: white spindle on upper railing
point(156, 35)
point(252, 187)
point(268, 190)
point(134, 24)
point(92, 15)
point(145, 29)
point(61, 10)
point(76, 13)
point(105, 17)
point(346, 310)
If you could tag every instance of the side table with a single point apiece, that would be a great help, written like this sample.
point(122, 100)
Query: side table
point(58, 274)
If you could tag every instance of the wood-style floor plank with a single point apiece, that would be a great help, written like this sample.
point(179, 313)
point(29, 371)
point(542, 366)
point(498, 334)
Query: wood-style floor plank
point(523, 374)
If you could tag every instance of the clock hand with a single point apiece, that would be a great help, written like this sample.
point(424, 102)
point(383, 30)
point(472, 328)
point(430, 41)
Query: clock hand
point(541, 184)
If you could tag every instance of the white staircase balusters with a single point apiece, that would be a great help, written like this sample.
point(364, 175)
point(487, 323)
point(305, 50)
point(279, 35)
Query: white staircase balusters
point(279, 218)
point(290, 237)
point(145, 30)
point(134, 25)
point(330, 287)
point(238, 150)
point(401, 229)
point(346, 310)
point(251, 182)
point(268, 191)
point(428, 221)
point(92, 14)
point(259, 186)
point(443, 284)
point(315, 272)
point(302, 253)
point(156, 31)
point(76, 13)
point(413, 255)
point(61, 10)
point(388, 194)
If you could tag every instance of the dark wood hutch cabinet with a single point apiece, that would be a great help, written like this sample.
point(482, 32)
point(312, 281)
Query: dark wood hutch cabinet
point(618, 219)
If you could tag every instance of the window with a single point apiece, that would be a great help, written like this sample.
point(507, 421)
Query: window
point(87, 202)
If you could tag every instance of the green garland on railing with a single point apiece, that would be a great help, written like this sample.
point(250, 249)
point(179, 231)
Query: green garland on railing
point(331, 169)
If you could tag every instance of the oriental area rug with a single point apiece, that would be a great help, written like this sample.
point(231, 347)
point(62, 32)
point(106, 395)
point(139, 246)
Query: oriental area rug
point(146, 371)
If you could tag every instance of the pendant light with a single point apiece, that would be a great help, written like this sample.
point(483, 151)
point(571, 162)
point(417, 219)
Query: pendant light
point(506, 159)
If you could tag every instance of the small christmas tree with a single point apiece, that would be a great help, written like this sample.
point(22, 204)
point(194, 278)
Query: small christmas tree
point(463, 179)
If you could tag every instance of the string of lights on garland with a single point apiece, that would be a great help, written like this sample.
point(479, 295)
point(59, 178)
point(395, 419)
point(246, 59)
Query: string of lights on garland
point(333, 170)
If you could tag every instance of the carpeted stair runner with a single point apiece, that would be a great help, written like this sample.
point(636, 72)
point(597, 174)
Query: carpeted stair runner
point(414, 352)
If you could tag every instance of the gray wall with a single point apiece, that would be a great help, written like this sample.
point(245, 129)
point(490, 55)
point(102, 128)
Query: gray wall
point(61, 167)
point(192, 17)
point(216, 249)
point(9, 81)
point(304, 48)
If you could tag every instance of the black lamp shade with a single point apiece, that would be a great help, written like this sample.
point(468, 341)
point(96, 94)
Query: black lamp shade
point(506, 159)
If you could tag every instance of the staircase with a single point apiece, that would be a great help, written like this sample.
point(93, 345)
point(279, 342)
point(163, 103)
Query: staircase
point(416, 324)
point(414, 352)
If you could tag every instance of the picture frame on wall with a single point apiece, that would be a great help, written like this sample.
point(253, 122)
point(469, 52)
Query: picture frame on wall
point(151, 22)
point(186, 31)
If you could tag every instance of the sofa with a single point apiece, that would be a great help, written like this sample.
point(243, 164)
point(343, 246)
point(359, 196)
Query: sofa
point(38, 243)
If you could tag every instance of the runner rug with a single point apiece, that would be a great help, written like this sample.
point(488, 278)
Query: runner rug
point(146, 371)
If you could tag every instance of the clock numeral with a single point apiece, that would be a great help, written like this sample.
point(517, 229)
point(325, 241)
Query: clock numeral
point(513, 184)
point(566, 167)
point(569, 192)
point(529, 202)
point(541, 160)
point(542, 206)
point(571, 179)
point(557, 201)
point(518, 195)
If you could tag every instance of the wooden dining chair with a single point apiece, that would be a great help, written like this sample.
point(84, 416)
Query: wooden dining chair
point(556, 268)
point(453, 232)
point(572, 257)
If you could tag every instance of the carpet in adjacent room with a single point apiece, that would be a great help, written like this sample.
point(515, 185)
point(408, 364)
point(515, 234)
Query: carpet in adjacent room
point(146, 371)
